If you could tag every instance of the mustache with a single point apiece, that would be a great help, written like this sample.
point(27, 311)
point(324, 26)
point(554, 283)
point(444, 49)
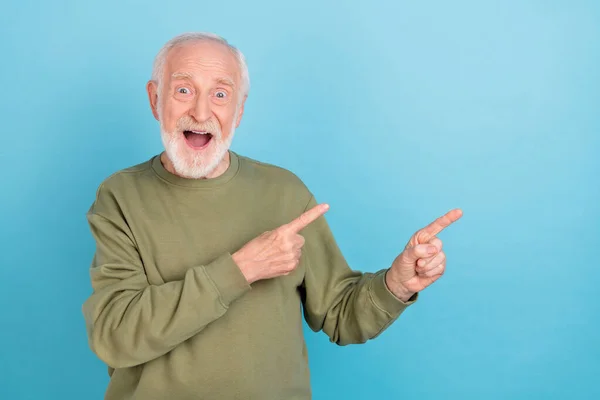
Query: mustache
point(186, 123)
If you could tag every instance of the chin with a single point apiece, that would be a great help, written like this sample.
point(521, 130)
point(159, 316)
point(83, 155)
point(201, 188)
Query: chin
point(191, 163)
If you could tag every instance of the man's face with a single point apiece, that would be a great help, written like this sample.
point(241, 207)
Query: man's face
point(198, 106)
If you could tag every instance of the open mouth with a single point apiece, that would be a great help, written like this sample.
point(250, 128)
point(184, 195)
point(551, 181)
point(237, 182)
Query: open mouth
point(197, 139)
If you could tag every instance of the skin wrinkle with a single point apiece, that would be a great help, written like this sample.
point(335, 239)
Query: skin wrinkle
point(201, 64)
point(180, 76)
point(205, 68)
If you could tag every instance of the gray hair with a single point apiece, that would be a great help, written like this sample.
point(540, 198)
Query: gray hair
point(159, 61)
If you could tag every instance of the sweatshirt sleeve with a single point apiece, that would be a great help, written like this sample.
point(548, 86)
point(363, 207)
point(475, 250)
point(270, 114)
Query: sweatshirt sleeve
point(129, 321)
point(349, 306)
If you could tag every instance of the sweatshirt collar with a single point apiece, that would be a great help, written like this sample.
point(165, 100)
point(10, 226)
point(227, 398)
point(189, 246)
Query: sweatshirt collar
point(225, 177)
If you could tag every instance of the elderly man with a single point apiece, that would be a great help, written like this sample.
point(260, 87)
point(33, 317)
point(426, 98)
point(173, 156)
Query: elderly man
point(205, 259)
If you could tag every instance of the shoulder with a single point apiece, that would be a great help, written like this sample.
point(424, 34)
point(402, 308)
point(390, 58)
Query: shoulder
point(118, 185)
point(287, 183)
point(274, 173)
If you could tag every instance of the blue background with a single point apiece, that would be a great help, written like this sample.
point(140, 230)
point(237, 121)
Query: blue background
point(391, 111)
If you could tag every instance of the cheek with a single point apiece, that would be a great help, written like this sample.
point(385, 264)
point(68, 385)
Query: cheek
point(227, 119)
point(171, 112)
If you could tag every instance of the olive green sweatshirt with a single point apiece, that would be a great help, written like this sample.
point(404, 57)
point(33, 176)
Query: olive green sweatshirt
point(172, 315)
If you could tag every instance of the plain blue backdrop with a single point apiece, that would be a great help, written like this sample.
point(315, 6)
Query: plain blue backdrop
point(393, 112)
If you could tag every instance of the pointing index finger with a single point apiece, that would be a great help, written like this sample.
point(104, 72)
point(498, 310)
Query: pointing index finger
point(306, 219)
point(441, 223)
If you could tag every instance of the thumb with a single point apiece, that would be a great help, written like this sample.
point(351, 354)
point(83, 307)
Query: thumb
point(421, 251)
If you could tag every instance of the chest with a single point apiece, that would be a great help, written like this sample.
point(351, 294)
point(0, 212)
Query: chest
point(173, 235)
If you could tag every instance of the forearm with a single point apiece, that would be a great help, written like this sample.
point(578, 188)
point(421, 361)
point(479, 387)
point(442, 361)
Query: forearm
point(349, 306)
point(131, 322)
point(358, 311)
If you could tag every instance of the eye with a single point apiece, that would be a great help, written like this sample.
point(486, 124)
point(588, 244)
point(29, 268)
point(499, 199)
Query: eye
point(221, 94)
point(183, 90)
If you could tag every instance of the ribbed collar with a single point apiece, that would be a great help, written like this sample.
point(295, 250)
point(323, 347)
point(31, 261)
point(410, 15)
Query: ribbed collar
point(225, 177)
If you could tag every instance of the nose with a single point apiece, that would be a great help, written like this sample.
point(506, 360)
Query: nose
point(201, 110)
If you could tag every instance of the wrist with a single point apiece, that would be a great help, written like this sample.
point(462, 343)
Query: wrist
point(397, 288)
point(238, 259)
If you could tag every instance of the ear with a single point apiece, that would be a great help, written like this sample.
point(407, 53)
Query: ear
point(152, 90)
point(240, 112)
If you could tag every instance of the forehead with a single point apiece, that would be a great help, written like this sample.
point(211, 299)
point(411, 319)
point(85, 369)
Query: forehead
point(202, 59)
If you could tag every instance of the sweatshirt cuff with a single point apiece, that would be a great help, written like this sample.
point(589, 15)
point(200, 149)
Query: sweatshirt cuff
point(385, 299)
point(227, 278)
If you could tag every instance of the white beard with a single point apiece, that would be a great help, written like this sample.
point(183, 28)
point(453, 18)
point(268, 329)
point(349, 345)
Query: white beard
point(190, 164)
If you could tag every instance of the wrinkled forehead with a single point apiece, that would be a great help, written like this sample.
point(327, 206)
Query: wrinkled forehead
point(202, 57)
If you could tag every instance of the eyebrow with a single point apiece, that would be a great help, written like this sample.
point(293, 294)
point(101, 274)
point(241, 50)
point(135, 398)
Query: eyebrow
point(226, 81)
point(181, 75)
point(186, 75)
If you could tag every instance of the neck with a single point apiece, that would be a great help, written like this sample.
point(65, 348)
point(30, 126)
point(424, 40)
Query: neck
point(218, 171)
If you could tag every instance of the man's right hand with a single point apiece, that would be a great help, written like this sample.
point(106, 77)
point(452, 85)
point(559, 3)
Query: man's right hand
point(277, 252)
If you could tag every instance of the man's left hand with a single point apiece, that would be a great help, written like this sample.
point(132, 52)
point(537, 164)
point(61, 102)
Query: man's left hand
point(422, 262)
